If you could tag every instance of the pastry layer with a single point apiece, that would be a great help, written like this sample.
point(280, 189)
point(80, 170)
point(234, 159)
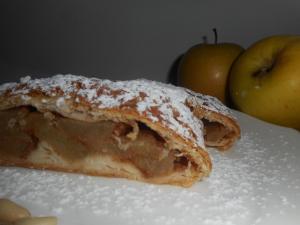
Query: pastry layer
point(139, 129)
point(50, 139)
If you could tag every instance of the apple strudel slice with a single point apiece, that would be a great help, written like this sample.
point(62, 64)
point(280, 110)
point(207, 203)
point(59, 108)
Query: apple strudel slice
point(139, 129)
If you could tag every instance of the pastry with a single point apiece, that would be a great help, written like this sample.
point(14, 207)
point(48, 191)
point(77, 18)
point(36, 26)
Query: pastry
point(139, 129)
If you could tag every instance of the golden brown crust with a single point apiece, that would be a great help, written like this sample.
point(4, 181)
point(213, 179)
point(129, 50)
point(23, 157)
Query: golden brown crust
point(231, 125)
point(171, 180)
point(174, 113)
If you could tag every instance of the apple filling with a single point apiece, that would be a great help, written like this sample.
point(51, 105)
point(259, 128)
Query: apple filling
point(214, 133)
point(23, 128)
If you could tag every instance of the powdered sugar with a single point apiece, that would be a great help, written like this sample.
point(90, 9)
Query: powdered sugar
point(7, 86)
point(157, 101)
point(257, 182)
point(25, 79)
point(60, 102)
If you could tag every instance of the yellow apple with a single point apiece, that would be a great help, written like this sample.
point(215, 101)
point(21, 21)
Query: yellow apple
point(204, 68)
point(265, 80)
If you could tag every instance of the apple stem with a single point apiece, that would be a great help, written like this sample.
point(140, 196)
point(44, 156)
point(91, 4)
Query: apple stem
point(216, 35)
point(204, 38)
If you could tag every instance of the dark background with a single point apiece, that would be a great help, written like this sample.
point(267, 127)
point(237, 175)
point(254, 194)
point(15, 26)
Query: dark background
point(127, 39)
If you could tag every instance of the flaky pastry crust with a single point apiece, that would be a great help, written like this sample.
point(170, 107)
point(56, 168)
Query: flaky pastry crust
point(179, 116)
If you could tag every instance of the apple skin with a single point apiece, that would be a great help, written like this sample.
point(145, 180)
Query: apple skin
point(265, 80)
point(204, 68)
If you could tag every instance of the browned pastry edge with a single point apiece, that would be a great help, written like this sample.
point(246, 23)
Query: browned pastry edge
point(234, 131)
point(80, 108)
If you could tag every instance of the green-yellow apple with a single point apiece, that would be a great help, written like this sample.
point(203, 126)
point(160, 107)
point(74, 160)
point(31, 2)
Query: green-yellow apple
point(265, 80)
point(204, 68)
